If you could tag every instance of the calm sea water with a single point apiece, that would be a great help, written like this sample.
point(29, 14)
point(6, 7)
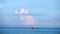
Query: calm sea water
point(29, 31)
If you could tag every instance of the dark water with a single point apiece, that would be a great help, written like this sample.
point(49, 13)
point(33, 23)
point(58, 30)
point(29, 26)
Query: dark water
point(29, 31)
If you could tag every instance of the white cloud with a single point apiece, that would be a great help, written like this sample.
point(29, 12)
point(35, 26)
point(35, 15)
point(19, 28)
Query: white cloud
point(26, 19)
point(1, 6)
point(23, 11)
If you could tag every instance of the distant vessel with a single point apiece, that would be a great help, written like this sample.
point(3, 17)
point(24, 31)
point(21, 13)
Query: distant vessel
point(34, 28)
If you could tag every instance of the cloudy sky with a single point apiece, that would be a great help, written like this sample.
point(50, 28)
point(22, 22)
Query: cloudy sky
point(45, 12)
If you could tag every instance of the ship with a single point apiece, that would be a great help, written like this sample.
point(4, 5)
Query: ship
point(35, 28)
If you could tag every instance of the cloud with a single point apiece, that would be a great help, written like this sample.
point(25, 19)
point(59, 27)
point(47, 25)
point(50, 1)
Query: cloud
point(26, 19)
point(1, 6)
point(23, 11)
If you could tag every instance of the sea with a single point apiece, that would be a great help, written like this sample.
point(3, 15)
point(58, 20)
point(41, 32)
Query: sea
point(28, 30)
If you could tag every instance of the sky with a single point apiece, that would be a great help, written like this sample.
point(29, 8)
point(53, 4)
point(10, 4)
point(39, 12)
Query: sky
point(46, 12)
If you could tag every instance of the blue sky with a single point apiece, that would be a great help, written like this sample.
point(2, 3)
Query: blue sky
point(47, 9)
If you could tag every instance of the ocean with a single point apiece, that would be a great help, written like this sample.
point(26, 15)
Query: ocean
point(23, 30)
